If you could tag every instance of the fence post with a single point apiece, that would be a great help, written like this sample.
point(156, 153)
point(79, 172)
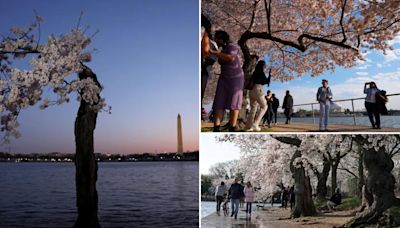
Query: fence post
point(313, 117)
point(354, 114)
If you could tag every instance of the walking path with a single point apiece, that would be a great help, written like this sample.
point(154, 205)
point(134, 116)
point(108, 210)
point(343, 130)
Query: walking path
point(276, 218)
point(309, 127)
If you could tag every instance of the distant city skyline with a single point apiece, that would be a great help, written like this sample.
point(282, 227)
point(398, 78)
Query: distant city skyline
point(147, 61)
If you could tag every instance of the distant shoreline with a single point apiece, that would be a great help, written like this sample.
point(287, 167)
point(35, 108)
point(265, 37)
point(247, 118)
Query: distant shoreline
point(10, 161)
point(59, 157)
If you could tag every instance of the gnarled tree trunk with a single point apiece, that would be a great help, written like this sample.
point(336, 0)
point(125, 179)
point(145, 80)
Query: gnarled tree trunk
point(380, 183)
point(85, 162)
point(304, 205)
point(322, 189)
point(361, 182)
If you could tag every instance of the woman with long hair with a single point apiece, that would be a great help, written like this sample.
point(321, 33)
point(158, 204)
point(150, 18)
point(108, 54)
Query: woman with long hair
point(257, 97)
point(248, 197)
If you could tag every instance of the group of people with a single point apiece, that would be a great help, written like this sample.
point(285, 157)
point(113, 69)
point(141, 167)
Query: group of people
point(234, 194)
point(287, 196)
point(229, 92)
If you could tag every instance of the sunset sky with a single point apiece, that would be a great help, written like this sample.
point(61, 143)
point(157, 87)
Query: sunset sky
point(147, 61)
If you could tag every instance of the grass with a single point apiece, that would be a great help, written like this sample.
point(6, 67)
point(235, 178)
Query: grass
point(349, 203)
point(395, 212)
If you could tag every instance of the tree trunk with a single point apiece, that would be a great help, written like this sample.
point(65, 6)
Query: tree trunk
point(361, 182)
point(380, 183)
point(85, 163)
point(249, 64)
point(334, 167)
point(304, 205)
point(322, 189)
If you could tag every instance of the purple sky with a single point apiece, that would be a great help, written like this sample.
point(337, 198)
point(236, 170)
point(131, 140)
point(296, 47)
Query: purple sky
point(147, 61)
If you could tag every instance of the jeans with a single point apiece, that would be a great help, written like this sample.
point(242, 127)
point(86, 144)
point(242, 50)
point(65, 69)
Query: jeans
point(324, 107)
point(256, 97)
point(235, 206)
point(275, 111)
point(219, 201)
point(268, 115)
point(248, 207)
point(372, 111)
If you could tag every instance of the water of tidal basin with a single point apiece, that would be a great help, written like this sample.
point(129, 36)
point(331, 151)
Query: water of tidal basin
point(143, 194)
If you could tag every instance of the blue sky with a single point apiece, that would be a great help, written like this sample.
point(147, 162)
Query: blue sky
point(349, 83)
point(147, 61)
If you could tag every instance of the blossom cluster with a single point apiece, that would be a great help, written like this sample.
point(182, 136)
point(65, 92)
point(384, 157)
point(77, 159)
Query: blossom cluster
point(52, 65)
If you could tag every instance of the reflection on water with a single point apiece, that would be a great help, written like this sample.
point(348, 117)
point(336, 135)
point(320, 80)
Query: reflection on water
point(130, 194)
point(386, 121)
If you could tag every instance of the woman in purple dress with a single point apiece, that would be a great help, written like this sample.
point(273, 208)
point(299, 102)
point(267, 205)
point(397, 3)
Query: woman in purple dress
point(229, 92)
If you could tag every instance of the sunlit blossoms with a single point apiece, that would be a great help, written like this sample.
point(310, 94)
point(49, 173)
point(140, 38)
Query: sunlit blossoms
point(52, 67)
point(300, 37)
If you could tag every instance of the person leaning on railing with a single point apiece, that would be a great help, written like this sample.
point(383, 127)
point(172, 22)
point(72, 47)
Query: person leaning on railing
point(375, 104)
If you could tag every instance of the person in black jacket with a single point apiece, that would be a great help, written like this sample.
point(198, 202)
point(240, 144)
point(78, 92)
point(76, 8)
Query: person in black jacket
point(335, 200)
point(235, 193)
point(287, 106)
point(275, 106)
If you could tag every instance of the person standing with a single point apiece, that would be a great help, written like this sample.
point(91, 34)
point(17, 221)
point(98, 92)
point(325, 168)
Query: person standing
point(292, 197)
point(371, 104)
point(287, 106)
point(324, 97)
point(257, 97)
point(275, 106)
point(235, 194)
point(229, 93)
point(249, 198)
point(220, 191)
point(284, 197)
point(207, 60)
point(269, 114)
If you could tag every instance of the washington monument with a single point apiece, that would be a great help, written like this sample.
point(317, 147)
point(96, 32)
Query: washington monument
point(180, 143)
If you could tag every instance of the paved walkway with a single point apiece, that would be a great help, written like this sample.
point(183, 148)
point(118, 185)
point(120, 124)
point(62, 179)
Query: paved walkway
point(275, 218)
point(309, 127)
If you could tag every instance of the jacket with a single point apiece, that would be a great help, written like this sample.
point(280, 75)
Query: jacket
point(236, 191)
point(287, 102)
point(248, 194)
point(324, 94)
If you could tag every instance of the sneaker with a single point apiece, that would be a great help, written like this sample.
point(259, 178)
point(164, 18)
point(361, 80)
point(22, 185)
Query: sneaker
point(256, 128)
point(250, 129)
point(269, 125)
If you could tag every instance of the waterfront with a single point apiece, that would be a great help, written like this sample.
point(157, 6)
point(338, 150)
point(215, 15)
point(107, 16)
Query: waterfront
point(146, 194)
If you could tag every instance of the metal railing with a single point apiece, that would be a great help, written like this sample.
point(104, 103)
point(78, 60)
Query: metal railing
point(342, 100)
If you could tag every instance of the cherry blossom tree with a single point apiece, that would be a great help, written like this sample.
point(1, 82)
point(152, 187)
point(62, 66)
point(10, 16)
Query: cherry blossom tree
point(53, 65)
point(298, 37)
point(267, 160)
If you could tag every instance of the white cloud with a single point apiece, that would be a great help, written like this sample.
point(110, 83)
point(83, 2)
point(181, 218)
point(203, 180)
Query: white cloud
point(379, 65)
point(396, 40)
point(392, 55)
point(351, 88)
point(364, 67)
point(362, 73)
